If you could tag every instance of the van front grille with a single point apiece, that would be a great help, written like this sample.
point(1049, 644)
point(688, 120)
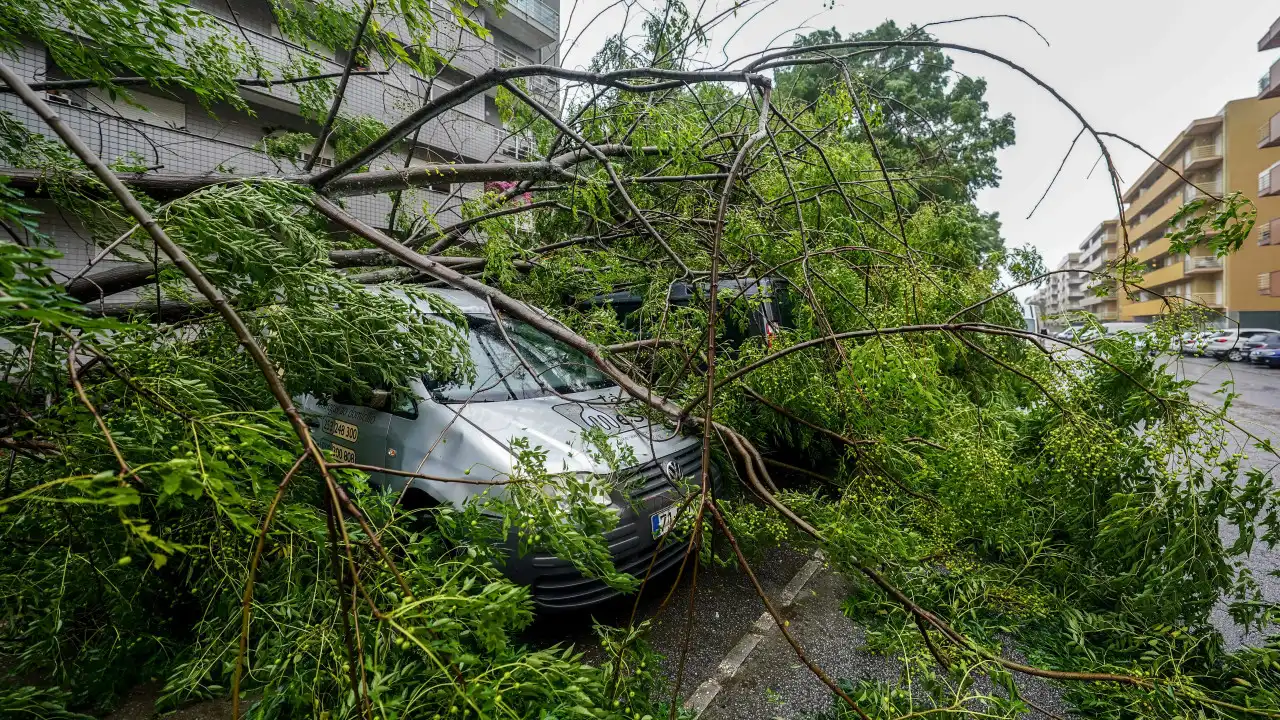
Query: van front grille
point(559, 586)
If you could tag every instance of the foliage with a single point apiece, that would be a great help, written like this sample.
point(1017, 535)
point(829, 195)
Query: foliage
point(1067, 506)
point(922, 115)
point(168, 41)
point(1222, 224)
point(351, 134)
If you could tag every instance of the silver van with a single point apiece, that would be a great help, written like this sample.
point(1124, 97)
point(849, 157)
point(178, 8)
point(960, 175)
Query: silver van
point(462, 429)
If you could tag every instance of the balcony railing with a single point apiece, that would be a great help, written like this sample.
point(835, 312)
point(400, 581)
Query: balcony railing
point(1269, 181)
point(1212, 299)
point(1269, 83)
point(1269, 133)
point(1200, 155)
point(1201, 190)
point(1201, 263)
point(544, 87)
point(538, 13)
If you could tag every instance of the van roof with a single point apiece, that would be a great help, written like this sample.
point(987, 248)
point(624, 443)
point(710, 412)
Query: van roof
point(468, 303)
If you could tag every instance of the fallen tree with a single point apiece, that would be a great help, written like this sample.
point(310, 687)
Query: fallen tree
point(976, 482)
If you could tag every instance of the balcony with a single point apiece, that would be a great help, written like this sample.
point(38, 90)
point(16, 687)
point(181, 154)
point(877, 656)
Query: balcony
point(1146, 308)
point(1099, 261)
point(1269, 133)
point(1106, 315)
point(540, 26)
point(1158, 306)
point(1271, 40)
point(1201, 265)
point(1269, 83)
point(1212, 299)
point(1198, 157)
point(1091, 299)
point(1154, 250)
point(1163, 276)
point(1201, 190)
point(1147, 198)
point(544, 89)
point(1269, 181)
point(1158, 219)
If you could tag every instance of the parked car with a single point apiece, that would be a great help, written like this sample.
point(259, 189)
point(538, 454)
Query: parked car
point(1178, 341)
point(458, 428)
point(1266, 350)
point(1229, 344)
point(1195, 345)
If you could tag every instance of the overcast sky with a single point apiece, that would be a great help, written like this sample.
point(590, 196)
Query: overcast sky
point(1140, 68)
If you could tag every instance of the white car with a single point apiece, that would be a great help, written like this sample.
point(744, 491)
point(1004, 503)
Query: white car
point(1194, 345)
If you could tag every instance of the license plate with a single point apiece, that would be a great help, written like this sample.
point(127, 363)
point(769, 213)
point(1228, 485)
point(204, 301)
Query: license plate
point(663, 520)
point(340, 429)
point(342, 453)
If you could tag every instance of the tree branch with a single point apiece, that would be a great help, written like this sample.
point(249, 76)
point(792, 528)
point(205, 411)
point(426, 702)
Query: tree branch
point(135, 80)
point(496, 76)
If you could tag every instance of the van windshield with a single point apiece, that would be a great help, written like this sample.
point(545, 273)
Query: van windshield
point(501, 376)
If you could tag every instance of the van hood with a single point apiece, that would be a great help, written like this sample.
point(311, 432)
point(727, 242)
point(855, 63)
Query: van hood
point(557, 425)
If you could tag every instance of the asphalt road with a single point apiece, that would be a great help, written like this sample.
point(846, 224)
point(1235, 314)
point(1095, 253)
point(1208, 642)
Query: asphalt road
point(1257, 412)
point(772, 682)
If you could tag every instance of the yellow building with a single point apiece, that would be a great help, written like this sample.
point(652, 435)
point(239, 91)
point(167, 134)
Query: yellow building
point(1237, 150)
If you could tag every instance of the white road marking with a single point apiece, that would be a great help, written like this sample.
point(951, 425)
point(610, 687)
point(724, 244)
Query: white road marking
point(706, 693)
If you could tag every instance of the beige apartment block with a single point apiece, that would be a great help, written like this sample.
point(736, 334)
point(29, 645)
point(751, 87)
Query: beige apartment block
point(1237, 150)
point(1097, 250)
point(1062, 292)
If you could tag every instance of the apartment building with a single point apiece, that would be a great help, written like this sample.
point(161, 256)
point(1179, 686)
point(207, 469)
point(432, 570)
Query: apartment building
point(172, 133)
point(1073, 288)
point(1098, 249)
point(1237, 150)
point(1268, 232)
point(1062, 292)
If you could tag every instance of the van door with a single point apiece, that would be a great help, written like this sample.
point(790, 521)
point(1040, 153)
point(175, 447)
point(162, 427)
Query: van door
point(352, 433)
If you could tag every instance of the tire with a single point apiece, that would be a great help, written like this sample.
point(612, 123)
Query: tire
point(1235, 355)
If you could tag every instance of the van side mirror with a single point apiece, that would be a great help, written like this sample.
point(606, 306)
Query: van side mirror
point(380, 399)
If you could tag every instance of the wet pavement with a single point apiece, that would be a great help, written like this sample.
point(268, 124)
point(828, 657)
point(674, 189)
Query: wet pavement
point(1257, 411)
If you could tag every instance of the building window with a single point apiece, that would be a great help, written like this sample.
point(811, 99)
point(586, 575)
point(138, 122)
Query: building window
point(1264, 235)
point(303, 155)
point(1264, 283)
point(149, 109)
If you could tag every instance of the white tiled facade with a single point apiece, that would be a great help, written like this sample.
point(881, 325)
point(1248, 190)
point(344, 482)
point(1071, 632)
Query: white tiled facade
point(179, 136)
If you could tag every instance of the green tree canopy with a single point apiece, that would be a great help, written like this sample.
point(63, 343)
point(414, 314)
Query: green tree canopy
point(929, 117)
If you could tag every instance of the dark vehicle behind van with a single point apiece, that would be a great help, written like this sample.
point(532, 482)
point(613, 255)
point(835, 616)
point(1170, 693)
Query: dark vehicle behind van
point(763, 301)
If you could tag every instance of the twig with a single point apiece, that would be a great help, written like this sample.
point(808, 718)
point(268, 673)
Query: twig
point(340, 93)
